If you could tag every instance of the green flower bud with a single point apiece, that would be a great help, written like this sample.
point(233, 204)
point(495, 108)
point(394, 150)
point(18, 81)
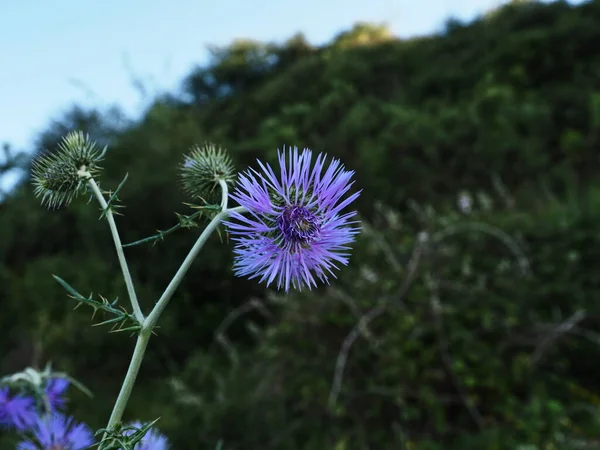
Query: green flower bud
point(60, 176)
point(202, 170)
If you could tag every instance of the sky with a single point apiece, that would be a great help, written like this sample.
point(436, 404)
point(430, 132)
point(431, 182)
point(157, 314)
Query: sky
point(58, 53)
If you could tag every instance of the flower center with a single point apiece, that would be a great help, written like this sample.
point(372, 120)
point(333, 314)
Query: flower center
point(298, 225)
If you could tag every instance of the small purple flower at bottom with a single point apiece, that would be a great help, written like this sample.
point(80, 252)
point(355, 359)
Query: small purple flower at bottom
point(55, 390)
point(16, 411)
point(58, 432)
point(153, 440)
point(295, 230)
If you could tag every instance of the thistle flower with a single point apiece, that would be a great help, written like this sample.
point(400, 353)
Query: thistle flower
point(60, 176)
point(16, 411)
point(55, 390)
point(202, 170)
point(152, 440)
point(57, 432)
point(295, 230)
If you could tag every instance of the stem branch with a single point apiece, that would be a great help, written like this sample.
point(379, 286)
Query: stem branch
point(119, 247)
point(150, 321)
point(187, 262)
point(130, 377)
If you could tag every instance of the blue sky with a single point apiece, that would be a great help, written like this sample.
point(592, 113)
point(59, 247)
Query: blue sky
point(60, 52)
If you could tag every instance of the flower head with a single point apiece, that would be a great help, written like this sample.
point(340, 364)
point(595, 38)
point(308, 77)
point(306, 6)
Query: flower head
point(60, 176)
point(55, 390)
point(203, 170)
point(57, 432)
point(16, 411)
point(295, 230)
point(152, 440)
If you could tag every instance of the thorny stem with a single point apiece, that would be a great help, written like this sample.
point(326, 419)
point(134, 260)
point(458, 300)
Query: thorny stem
point(119, 247)
point(150, 321)
point(161, 234)
point(130, 377)
point(160, 306)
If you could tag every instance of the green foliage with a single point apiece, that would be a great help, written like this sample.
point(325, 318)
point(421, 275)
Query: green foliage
point(488, 340)
point(457, 341)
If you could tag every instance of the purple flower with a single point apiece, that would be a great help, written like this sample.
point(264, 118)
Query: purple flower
point(294, 229)
point(58, 432)
point(55, 389)
point(152, 440)
point(16, 411)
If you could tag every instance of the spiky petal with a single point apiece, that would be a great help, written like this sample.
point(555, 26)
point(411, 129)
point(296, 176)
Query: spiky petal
point(55, 393)
point(295, 230)
point(16, 411)
point(55, 431)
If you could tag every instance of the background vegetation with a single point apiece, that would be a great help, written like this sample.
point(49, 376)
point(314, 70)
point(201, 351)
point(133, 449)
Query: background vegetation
point(472, 327)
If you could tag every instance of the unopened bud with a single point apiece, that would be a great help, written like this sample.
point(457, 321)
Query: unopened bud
point(202, 171)
point(60, 176)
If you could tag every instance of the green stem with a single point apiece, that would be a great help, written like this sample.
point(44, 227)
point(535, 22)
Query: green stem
point(130, 377)
point(160, 306)
point(161, 234)
point(187, 262)
point(224, 196)
point(119, 247)
point(153, 317)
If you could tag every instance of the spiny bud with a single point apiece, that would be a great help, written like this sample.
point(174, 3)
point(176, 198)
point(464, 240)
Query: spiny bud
point(60, 176)
point(202, 170)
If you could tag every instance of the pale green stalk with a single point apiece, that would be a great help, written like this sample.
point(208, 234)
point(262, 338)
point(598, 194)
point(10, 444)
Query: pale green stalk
point(119, 247)
point(187, 262)
point(150, 321)
point(129, 381)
